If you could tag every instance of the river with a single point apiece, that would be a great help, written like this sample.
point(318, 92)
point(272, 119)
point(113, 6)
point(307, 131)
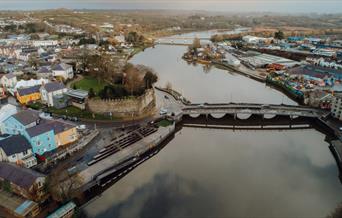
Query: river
point(225, 173)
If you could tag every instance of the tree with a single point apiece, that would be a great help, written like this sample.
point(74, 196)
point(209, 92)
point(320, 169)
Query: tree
point(63, 189)
point(33, 60)
point(133, 82)
point(34, 36)
point(196, 43)
point(168, 86)
point(150, 78)
point(279, 35)
point(91, 93)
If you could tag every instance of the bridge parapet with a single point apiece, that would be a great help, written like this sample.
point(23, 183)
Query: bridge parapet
point(260, 109)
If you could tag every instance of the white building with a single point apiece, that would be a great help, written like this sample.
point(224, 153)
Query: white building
point(17, 149)
point(49, 90)
point(120, 39)
point(44, 43)
point(8, 81)
point(255, 40)
point(6, 111)
point(30, 83)
point(63, 70)
point(231, 60)
point(336, 106)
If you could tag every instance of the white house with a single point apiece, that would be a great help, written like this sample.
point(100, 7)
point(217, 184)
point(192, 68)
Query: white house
point(17, 149)
point(30, 83)
point(63, 70)
point(8, 81)
point(336, 106)
point(49, 90)
point(44, 43)
point(254, 39)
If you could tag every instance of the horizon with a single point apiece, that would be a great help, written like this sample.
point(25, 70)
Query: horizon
point(238, 6)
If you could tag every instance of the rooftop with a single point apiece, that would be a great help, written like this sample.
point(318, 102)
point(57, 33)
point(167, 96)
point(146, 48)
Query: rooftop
point(14, 144)
point(28, 91)
point(77, 93)
point(39, 129)
point(20, 176)
point(27, 116)
point(53, 86)
point(61, 66)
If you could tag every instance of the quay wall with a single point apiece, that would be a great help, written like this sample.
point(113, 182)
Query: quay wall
point(124, 107)
point(250, 75)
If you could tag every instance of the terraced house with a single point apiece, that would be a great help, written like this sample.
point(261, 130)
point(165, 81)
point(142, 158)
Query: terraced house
point(42, 138)
point(43, 135)
point(26, 95)
point(19, 122)
point(17, 149)
point(50, 91)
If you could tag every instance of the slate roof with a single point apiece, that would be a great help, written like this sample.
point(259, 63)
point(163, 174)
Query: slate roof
point(20, 176)
point(61, 66)
point(39, 129)
point(14, 144)
point(9, 75)
point(53, 86)
point(27, 116)
point(28, 91)
point(59, 127)
point(47, 126)
point(44, 70)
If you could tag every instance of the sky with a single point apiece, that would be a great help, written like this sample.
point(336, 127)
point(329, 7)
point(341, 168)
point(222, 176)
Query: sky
point(284, 6)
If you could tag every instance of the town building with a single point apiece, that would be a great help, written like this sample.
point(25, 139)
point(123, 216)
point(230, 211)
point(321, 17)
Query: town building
point(8, 81)
point(50, 90)
point(30, 83)
point(41, 137)
point(24, 182)
point(44, 43)
point(63, 70)
point(78, 98)
point(336, 106)
point(19, 122)
point(65, 133)
point(44, 72)
point(6, 111)
point(26, 95)
point(256, 40)
point(17, 149)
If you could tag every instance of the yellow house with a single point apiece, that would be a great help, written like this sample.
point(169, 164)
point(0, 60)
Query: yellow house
point(26, 95)
point(64, 133)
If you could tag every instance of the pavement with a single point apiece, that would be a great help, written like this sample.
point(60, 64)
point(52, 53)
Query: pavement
point(168, 102)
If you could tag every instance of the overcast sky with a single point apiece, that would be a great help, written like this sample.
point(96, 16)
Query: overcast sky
point(288, 6)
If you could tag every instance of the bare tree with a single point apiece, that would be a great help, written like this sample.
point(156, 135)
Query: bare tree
point(168, 85)
point(196, 43)
point(133, 81)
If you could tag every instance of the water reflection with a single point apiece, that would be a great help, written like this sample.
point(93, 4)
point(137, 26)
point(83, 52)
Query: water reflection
point(201, 84)
point(220, 173)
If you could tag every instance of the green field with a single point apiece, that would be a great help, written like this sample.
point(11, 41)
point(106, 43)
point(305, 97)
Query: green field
point(89, 82)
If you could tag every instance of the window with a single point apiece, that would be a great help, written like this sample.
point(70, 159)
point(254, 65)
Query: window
point(13, 156)
point(38, 143)
point(25, 153)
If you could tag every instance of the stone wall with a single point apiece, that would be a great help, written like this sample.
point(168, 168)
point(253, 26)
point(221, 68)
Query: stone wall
point(124, 107)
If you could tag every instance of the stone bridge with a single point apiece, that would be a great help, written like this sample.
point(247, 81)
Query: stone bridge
point(252, 109)
point(249, 115)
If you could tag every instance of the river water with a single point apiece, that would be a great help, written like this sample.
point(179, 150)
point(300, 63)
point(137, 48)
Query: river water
point(225, 173)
